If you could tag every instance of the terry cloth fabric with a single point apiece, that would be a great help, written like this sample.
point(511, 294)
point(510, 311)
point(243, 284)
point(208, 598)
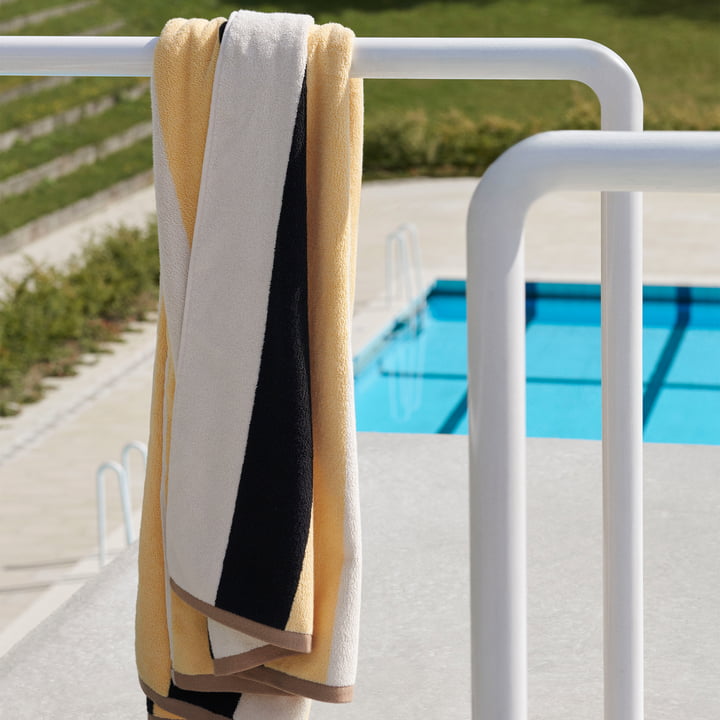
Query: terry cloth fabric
point(249, 586)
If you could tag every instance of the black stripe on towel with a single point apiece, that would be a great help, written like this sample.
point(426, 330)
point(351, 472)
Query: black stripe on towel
point(271, 522)
point(221, 704)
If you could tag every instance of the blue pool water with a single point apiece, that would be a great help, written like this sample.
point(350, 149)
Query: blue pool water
point(414, 378)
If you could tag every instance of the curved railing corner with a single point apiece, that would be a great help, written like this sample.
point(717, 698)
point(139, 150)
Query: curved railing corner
point(568, 160)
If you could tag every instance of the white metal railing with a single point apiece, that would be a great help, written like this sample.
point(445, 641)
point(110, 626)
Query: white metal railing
point(569, 160)
point(472, 58)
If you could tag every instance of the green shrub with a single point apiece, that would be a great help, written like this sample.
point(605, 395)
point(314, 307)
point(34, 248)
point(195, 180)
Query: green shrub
point(119, 277)
point(51, 316)
point(452, 144)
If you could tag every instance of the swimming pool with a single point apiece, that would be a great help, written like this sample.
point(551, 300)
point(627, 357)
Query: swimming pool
point(414, 377)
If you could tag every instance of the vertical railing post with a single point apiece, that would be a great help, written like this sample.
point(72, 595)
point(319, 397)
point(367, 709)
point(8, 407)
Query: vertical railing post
point(621, 310)
point(621, 332)
point(496, 417)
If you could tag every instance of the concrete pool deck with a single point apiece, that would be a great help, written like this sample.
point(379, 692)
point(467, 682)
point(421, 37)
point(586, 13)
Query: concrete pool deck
point(414, 648)
point(50, 452)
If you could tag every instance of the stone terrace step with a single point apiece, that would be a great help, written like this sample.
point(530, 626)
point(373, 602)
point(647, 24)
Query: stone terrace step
point(18, 23)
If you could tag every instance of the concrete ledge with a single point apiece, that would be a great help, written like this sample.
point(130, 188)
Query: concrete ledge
point(415, 644)
point(79, 663)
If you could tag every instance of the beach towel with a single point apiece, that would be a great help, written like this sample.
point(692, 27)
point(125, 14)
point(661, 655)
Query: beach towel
point(249, 570)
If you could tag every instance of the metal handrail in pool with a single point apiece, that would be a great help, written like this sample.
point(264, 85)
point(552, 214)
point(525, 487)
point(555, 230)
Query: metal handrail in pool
point(566, 160)
point(467, 58)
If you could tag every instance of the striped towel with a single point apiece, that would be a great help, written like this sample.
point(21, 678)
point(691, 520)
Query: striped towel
point(249, 589)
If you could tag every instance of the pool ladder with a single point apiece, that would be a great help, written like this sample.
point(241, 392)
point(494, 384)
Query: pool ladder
point(122, 471)
point(403, 265)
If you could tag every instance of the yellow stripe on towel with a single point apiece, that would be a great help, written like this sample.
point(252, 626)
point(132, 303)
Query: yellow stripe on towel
point(185, 60)
point(183, 72)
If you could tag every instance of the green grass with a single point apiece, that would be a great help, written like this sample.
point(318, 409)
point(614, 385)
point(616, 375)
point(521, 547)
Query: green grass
point(75, 22)
point(51, 316)
point(51, 195)
point(672, 46)
point(88, 131)
point(676, 60)
point(11, 81)
point(27, 109)
point(8, 82)
point(25, 7)
point(458, 127)
point(72, 24)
